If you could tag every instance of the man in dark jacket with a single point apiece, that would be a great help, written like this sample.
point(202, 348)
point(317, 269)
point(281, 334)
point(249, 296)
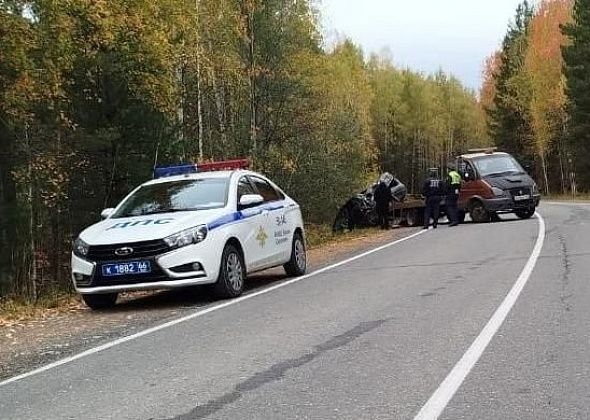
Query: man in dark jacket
point(433, 190)
point(383, 198)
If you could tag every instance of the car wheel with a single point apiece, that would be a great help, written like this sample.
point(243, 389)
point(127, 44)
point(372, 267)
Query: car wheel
point(414, 217)
point(525, 213)
point(341, 223)
point(232, 274)
point(397, 218)
point(372, 219)
point(100, 301)
point(478, 213)
point(297, 265)
point(461, 216)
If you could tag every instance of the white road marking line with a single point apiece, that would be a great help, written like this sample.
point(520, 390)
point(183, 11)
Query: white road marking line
point(198, 314)
point(567, 203)
point(447, 389)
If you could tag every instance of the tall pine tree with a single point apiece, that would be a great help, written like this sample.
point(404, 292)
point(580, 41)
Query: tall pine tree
point(577, 65)
point(509, 120)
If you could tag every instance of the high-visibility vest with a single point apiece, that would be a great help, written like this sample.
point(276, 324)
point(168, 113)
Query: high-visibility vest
point(455, 178)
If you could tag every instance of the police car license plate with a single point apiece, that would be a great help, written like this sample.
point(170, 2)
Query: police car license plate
point(127, 268)
point(521, 197)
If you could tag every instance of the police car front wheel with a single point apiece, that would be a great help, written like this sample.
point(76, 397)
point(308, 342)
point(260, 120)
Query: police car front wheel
point(100, 301)
point(297, 265)
point(232, 273)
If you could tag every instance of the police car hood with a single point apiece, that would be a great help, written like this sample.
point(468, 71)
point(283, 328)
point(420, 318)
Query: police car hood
point(146, 228)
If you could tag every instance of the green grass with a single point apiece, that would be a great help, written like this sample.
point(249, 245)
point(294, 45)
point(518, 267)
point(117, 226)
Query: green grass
point(318, 235)
point(16, 309)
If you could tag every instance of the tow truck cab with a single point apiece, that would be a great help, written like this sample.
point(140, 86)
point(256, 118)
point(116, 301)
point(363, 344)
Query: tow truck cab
point(494, 182)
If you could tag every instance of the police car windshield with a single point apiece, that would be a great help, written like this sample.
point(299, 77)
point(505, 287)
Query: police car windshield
point(497, 165)
point(176, 196)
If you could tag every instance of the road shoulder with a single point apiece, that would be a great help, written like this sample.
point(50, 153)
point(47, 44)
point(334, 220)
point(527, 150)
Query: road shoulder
point(57, 334)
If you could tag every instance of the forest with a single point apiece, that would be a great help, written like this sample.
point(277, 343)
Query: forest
point(536, 93)
point(95, 93)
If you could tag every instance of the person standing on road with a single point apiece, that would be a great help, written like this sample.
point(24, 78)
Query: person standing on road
point(432, 190)
point(383, 198)
point(454, 187)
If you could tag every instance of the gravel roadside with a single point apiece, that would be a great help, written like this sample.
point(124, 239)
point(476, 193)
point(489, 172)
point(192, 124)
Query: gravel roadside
point(28, 345)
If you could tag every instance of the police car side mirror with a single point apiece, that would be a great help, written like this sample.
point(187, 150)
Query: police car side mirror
point(250, 200)
point(106, 213)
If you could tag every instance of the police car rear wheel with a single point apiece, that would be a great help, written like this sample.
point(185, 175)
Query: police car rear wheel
point(297, 265)
point(100, 301)
point(232, 274)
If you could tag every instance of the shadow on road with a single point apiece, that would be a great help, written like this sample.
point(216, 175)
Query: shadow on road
point(503, 218)
point(189, 297)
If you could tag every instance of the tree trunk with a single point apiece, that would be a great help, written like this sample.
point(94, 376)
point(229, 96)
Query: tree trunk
point(180, 110)
point(32, 272)
point(253, 110)
point(199, 91)
point(220, 106)
point(561, 168)
point(115, 154)
point(199, 107)
point(545, 176)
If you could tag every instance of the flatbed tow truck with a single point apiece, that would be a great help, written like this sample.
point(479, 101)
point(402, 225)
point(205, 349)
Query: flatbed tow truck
point(493, 183)
point(359, 211)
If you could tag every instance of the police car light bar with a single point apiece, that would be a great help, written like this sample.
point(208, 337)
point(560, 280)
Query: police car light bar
point(166, 171)
point(226, 165)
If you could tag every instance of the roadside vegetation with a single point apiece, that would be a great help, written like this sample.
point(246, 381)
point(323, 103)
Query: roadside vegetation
point(94, 94)
point(536, 91)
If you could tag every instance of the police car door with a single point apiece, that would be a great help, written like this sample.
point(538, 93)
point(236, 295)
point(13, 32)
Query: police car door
point(252, 232)
point(274, 222)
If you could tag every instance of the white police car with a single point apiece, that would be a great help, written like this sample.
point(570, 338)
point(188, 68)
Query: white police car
point(190, 226)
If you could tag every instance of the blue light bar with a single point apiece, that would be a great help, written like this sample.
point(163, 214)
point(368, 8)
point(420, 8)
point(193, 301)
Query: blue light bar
point(166, 171)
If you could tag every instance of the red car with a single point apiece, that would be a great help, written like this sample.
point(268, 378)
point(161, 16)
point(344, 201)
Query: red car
point(494, 182)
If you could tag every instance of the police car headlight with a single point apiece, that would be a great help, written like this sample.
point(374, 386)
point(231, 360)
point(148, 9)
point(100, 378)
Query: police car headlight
point(187, 237)
point(498, 192)
point(81, 247)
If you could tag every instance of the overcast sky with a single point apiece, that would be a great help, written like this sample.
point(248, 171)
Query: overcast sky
point(455, 35)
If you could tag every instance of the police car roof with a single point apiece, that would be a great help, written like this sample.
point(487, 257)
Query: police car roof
point(198, 175)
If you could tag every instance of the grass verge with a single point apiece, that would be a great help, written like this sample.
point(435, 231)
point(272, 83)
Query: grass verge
point(319, 235)
point(14, 310)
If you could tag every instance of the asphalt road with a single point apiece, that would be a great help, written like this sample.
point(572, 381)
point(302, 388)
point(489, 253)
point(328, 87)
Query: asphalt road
point(371, 339)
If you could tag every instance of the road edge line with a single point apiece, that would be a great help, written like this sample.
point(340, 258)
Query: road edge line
point(203, 312)
point(439, 400)
point(567, 203)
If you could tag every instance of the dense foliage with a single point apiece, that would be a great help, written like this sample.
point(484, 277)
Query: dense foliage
point(525, 92)
point(577, 60)
point(94, 93)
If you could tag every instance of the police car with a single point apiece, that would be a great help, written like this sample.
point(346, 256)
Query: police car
point(191, 225)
